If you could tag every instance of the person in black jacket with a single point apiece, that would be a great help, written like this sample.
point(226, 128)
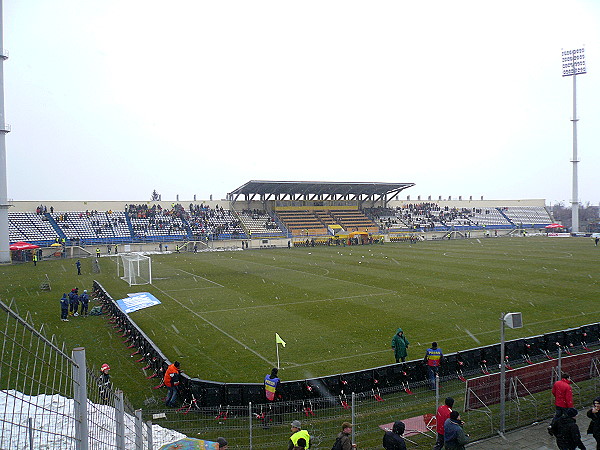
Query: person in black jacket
point(104, 384)
point(567, 432)
point(393, 440)
point(594, 428)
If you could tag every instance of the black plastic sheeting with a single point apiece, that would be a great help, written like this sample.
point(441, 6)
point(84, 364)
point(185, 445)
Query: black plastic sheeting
point(401, 375)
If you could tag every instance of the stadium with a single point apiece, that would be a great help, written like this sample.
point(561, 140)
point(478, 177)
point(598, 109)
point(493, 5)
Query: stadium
point(284, 259)
point(287, 308)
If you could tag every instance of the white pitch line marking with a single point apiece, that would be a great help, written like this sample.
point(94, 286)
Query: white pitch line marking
point(202, 278)
point(322, 276)
point(294, 303)
point(271, 363)
point(193, 289)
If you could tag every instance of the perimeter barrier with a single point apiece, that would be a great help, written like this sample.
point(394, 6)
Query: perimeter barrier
point(459, 365)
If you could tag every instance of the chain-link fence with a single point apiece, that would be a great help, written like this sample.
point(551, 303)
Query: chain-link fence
point(50, 399)
point(372, 413)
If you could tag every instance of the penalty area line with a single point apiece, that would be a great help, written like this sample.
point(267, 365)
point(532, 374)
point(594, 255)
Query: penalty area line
point(320, 300)
point(202, 278)
point(271, 363)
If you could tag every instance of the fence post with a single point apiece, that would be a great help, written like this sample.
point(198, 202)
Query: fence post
point(119, 420)
point(149, 432)
point(559, 363)
point(30, 430)
point(80, 399)
point(437, 390)
point(353, 417)
point(139, 432)
point(250, 423)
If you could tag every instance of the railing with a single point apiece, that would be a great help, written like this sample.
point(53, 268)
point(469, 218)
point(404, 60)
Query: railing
point(50, 399)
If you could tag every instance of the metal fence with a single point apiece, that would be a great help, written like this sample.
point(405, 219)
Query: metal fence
point(50, 399)
point(263, 426)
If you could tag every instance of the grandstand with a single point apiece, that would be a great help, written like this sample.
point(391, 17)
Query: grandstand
point(271, 211)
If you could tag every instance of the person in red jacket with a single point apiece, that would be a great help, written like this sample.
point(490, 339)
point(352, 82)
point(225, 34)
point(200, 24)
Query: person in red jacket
point(171, 381)
point(563, 396)
point(443, 413)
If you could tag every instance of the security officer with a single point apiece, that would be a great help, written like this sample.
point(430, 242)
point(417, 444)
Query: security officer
point(433, 359)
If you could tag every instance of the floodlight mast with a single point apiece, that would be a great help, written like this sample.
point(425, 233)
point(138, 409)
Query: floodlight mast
point(573, 65)
point(4, 238)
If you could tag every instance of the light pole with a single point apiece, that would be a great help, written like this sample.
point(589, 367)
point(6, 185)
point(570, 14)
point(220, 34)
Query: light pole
point(4, 128)
point(512, 320)
point(573, 62)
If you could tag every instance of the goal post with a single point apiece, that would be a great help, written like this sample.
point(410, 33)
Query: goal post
point(137, 269)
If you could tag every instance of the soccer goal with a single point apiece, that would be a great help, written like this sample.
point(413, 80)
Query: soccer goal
point(137, 269)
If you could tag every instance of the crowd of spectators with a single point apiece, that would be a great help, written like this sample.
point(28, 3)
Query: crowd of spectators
point(256, 214)
point(144, 212)
point(42, 209)
point(206, 221)
point(424, 216)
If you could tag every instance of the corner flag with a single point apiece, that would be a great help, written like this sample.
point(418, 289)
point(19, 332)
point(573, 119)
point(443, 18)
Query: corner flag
point(278, 340)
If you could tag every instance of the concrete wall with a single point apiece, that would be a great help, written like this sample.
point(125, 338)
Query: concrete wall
point(120, 205)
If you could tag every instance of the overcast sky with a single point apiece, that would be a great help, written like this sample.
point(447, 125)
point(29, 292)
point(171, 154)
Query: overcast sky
point(109, 99)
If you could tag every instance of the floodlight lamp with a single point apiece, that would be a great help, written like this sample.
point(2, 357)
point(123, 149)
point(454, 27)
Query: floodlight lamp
point(513, 320)
point(573, 62)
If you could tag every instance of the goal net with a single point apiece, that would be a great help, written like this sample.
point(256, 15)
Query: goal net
point(137, 269)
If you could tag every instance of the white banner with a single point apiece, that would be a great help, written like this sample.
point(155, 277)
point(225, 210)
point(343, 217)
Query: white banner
point(139, 300)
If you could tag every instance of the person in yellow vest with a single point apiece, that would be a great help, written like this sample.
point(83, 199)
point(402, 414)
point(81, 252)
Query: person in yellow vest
point(35, 258)
point(297, 433)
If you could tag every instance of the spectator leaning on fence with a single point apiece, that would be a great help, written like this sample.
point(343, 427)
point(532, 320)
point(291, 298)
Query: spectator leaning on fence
point(171, 380)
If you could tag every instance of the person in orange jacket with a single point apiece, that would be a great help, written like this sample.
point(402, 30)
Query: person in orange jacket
point(171, 380)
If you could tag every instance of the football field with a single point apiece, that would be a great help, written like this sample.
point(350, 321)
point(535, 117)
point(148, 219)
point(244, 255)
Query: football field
point(336, 308)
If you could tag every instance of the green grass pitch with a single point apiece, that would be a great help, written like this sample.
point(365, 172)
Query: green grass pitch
point(337, 308)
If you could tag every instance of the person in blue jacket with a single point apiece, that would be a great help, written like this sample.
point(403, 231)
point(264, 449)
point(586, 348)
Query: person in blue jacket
point(85, 300)
point(64, 308)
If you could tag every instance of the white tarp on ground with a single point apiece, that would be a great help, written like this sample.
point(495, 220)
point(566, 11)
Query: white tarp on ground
point(139, 300)
point(53, 425)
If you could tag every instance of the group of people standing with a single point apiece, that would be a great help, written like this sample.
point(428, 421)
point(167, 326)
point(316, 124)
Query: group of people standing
point(69, 305)
point(564, 425)
point(433, 356)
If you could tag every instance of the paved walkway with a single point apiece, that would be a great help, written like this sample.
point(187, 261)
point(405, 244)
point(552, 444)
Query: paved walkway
point(533, 437)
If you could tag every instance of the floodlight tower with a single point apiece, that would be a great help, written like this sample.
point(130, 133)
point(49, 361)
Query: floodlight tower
point(4, 128)
point(573, 65)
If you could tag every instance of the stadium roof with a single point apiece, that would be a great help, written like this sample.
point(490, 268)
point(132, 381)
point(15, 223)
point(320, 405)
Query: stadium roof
point(316, 190)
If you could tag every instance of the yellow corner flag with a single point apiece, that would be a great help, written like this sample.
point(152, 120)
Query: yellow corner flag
point(278, 339)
